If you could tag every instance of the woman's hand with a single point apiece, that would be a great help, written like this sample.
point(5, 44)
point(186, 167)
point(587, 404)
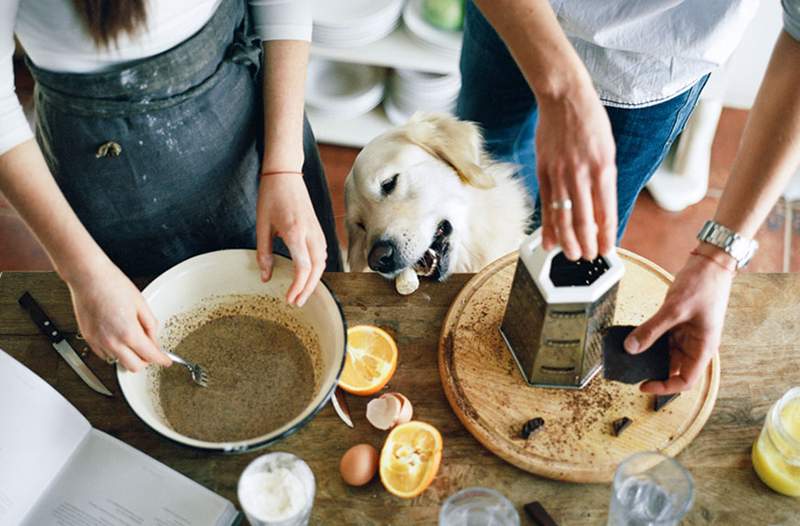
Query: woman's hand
point(575, 158)
point(285, 210)
point(114, 318)
point(694, 310)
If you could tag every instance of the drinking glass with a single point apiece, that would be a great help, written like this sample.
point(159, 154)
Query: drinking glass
point(270, 483)
point(650, 489)
point(478, 507)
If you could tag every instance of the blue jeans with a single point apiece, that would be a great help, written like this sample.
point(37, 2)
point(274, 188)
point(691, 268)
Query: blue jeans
point(495, 95)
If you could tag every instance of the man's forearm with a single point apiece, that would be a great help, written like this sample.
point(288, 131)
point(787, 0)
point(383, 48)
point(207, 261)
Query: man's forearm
point(538, 44)
point(26, 182)
point(769, 153)
point(284, 86)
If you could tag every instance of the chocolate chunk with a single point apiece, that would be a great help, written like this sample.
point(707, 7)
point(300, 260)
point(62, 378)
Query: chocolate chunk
point(662, 400)
point(539, 515)
point(621, 425)
point(618, 365)
point(531, 426)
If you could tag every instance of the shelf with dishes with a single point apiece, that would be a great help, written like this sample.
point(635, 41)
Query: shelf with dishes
point(374, 63)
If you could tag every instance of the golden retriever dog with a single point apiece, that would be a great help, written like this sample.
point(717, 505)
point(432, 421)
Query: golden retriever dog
point(426, 196)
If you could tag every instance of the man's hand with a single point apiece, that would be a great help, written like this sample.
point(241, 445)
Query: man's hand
point(694, 310)
point(285, 210)
point(575, 158)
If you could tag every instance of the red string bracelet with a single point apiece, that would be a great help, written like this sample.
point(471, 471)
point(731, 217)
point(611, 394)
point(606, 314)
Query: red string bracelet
point(264, 174)
point(695, 252)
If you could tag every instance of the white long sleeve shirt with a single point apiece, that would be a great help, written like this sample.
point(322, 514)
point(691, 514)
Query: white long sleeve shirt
point(55, 39)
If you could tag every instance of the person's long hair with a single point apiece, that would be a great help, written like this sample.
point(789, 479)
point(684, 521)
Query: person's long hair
point(106, 20)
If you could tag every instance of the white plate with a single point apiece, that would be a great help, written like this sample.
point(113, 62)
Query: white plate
point(194, 282)
point(343, 88)
point(353, 38)
point(348, 13)
point(419, 27)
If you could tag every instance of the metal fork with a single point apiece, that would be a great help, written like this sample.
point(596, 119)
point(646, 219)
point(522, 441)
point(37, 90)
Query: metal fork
point(199, 374)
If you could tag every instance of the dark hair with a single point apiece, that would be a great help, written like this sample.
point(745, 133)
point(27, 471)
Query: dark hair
point(107, 19)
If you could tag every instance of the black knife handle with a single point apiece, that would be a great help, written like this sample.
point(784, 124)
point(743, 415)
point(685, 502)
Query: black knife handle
point(44, 323)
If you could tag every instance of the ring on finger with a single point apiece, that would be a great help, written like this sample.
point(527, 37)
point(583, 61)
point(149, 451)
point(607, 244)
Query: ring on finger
point(561, 204)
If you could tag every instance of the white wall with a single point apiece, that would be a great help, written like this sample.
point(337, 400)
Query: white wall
point(739, 79)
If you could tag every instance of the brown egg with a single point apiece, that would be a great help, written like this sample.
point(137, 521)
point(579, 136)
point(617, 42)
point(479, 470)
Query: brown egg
point(359, 464)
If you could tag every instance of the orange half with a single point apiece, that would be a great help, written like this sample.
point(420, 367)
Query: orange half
point(410, 458)
point(370, 362)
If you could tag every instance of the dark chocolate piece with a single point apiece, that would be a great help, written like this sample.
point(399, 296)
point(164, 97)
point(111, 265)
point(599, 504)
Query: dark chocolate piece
point(662, 400)
point(531, 426)
point(618, 365)
point(621, 425)
point(538, 514)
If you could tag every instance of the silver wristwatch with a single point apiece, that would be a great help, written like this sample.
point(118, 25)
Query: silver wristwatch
point(739, 248)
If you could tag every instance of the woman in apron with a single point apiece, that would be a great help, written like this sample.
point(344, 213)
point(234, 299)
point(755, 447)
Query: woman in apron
point(152, 151)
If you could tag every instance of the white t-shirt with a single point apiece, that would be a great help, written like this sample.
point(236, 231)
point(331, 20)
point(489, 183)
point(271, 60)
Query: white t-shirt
point(54, 39)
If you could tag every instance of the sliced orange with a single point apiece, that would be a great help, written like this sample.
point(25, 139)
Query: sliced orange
point(410, 458)
point(370, 362)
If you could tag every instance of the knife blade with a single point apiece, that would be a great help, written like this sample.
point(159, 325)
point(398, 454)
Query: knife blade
point(60, 344)
point(339, 402)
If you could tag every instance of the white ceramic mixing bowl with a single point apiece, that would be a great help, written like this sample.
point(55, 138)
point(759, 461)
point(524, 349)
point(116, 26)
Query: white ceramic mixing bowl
point(227, 272)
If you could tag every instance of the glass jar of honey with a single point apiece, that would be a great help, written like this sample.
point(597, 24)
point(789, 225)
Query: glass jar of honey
point(776, 452)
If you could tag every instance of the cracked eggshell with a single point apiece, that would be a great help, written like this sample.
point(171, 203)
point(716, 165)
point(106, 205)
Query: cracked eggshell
point(383, 412)
point(406, 409)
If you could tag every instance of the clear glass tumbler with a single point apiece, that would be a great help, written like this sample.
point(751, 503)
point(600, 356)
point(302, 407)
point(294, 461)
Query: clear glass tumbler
point(776, 452)
point(650, 489)
point(277, 489)
point(478, 507)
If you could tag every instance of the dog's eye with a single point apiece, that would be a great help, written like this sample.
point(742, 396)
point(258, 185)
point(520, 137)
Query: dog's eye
point(361, 226)
point(387, 187)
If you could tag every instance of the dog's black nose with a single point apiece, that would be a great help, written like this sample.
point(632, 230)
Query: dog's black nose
point(383, 257)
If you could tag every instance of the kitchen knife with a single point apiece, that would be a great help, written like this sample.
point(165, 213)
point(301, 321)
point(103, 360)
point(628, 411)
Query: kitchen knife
point(339, 401)
point(60, 344)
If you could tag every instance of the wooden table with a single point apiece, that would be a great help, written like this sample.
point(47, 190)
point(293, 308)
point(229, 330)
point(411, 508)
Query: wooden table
point(760, 361)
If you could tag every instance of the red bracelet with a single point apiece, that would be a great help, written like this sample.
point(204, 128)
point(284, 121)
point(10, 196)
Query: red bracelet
point(695, 252)
point(264, 174)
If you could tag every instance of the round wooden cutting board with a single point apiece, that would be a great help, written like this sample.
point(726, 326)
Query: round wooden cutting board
point(488, 394)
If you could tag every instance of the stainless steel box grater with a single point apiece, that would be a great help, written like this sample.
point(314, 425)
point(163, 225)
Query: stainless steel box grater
point(556, 314)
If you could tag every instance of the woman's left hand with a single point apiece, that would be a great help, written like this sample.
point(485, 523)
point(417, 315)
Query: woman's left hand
point(694, 310)
point(285, 210)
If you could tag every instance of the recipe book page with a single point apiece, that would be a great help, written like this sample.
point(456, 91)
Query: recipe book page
point(39, 431)
point(108, 482)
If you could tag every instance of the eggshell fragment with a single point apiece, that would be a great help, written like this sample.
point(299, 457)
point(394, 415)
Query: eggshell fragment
point(359, 464)
point(382, 412)
point(407, 282)
point(406, 409)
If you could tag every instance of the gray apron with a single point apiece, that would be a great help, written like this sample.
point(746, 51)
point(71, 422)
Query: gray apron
point(160, 159)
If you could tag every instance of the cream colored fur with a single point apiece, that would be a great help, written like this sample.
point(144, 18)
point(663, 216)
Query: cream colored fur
point(444, 173)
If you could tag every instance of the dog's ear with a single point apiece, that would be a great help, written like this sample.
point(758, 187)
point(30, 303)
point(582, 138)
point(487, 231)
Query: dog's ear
point(457, 143)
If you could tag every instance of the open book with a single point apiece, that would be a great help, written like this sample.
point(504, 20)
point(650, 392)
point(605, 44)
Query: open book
point(55, 469)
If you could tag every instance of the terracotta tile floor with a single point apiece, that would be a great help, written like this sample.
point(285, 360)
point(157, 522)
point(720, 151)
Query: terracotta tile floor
point(664, 237)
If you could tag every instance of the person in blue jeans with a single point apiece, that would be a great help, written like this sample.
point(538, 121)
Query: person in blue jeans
point(587, 96)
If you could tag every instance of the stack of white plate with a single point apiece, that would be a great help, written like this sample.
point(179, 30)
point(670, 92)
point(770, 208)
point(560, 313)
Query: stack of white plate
point(411, 91)
point(350, 23)
point(446, 42)
point(340, 89)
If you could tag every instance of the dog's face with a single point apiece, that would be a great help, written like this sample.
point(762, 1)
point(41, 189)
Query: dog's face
point(406, 200)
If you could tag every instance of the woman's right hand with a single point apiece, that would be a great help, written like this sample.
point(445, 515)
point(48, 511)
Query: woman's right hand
point(114, 318)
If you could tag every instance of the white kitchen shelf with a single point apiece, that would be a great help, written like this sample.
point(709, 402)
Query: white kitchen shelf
point(397, 50)
point(354, 132)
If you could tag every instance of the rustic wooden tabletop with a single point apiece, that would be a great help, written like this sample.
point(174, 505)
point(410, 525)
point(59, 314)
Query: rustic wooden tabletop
point(760, 361)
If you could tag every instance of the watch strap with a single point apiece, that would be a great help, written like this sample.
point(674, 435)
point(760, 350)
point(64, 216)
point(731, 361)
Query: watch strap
point(737, 246)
